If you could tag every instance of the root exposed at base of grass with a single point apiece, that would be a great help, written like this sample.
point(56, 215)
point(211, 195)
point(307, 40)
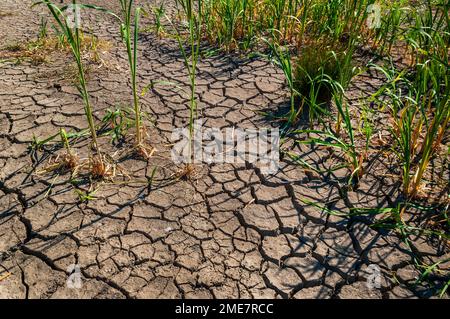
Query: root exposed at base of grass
point(102, 166)
point(67, 162)
point(145, 151)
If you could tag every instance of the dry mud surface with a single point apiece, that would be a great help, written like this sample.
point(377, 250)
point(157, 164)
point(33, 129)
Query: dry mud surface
point(232, 232)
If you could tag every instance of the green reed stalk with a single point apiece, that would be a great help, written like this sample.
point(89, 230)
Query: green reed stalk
point(434, 102)
point(73, 38)
point(194, 21)
point(350, 147)
point(127, 36)
point(331, 139)
point(283, 60)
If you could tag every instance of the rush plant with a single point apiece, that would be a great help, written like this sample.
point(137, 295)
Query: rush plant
point(342, 139)
point(282, 58)
point(72, 36)
point(420, 111)
point(70, 159)
point(158, 13)
point(100, 164)
point(130, 38)
point(192, 56)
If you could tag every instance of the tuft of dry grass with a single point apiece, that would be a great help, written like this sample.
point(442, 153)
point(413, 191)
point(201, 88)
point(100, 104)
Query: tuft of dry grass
point(67, 162)
point(37, 51)
point(102, 166)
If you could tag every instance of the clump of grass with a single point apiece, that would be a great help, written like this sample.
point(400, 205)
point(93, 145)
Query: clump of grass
point(419, 102)
point(86, 196)
point(393, 16)
point(70, 159)
point(334, 60)
point(342, 139)
point(240, 23)
point(131, 42)
point(158, 13)
point(102, 166)
point(191, 59)
point(38, 51)
point(73, 38)
point(425, 109)
point(311, 76)
point(283, 59)
point(14, 52)
point(118, 122)
point(43, 29)
point(99, 168)
point(40, 144)
point(316, 70)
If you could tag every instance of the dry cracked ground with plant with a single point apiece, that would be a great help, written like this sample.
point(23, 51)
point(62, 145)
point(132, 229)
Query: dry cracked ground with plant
point(230, 232)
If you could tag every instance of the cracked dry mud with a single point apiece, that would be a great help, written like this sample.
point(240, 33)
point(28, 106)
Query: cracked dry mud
point(230, 233)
